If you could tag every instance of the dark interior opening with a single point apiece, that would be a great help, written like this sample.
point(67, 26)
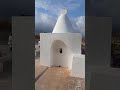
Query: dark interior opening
point(60, 50)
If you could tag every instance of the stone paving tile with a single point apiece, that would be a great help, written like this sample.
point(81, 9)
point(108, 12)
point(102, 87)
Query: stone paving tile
point(57, 78)
point(74, 83)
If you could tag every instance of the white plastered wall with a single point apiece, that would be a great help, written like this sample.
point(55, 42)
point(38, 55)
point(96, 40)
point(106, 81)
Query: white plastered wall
point(78, 66)
point(72, 42)
point(71, 58)
point(63, 59)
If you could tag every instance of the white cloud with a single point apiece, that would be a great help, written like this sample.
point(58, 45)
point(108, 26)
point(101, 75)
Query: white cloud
point(41, 4)
point(57, 6)
point(45, 22)
point(79, 24)
point(69, 1)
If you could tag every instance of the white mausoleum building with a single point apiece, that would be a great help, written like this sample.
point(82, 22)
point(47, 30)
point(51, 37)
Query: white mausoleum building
point(62, 47)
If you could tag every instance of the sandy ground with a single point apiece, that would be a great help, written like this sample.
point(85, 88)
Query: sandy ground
point(57, 78)
point(39, 69)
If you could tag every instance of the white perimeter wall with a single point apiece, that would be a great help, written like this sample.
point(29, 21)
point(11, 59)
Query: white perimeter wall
point(78, 66)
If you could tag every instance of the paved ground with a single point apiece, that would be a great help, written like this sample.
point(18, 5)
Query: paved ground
point(74, 83)
point(57, 78)
point(39, 69)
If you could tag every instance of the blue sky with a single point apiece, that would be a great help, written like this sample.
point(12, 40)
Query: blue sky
point(47, 12)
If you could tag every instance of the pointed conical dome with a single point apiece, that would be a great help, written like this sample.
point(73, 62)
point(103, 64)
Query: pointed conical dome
point(63, 24)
